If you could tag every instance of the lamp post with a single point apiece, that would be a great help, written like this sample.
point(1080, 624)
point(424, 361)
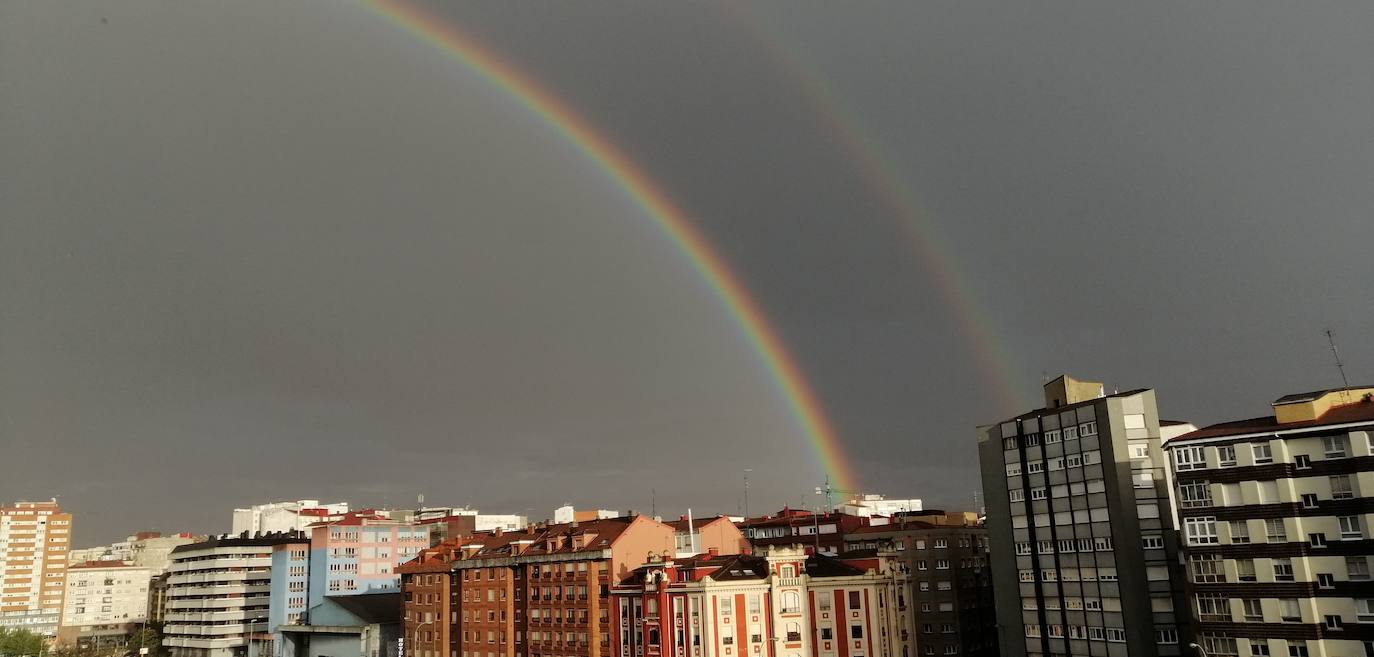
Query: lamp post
point(1198, 648)
point(416, 636)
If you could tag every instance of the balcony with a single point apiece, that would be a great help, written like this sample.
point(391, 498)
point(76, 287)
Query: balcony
point(789, 581)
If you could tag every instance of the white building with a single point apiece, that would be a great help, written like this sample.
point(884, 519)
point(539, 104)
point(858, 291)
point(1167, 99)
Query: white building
point(876, 505)
point(219, 594)
point(567, 513)
point(1277, 527)
point(276, 517)
point(104, 599)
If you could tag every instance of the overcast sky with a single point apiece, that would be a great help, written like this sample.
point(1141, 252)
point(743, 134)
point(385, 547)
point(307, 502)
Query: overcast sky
point(255, 251)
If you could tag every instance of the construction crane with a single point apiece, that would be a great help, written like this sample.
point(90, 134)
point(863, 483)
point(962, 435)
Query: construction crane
point(829, 492)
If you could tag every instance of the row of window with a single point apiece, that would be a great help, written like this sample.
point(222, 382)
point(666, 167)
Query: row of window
point(1210, 569)
point(1217, 608)
point(1070, 575)
point(1067, 545)
point(1194, 457)
point(1221, 645)
point(1056, 463)
point(1112, 634)
point(1203, 531)
point(1199, 494)
point(1053, 436)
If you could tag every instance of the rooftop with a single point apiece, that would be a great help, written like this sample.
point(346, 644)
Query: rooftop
point(1318, 409)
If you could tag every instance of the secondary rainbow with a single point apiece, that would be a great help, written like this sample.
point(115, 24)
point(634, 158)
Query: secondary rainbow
point(636, 183)
point(999, 369)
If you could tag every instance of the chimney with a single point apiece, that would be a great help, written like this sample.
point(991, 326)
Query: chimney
point(497, 532)
point(713, 551)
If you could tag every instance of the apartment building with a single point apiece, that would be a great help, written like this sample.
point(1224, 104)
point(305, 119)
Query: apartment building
point(34, 540)
point(788, 600)
point(944, 584)
point(1083, 543)
point(356, 555)
point(1276, 515)
point(278, 517)
point(427, 591)
point(218, 595)
point(541, 592)
point(821, 532)
point(692, 535)
point(104, 603)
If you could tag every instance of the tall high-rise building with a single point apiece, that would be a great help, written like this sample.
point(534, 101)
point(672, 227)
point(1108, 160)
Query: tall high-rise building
point(218, 596)
point(34, 540)
point(1278, 527)
point(1083, 542)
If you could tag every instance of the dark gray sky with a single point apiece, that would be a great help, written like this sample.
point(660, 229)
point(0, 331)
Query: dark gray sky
point(252, 251)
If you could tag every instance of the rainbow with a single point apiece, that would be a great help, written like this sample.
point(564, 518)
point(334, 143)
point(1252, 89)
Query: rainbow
point(1000, 372)
point(802, 402)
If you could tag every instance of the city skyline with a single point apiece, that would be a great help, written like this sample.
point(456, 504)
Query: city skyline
point(238, 255)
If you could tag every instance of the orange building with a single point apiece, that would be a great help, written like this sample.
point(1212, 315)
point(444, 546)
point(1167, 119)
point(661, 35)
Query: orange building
point(34, 540)
point(430, 613)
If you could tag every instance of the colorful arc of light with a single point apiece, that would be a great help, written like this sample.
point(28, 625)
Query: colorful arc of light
point(999, 370)
point(674, 223)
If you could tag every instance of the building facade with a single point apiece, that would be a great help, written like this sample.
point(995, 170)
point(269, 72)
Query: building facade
point(1084, 546)
point(278, 517)
point(34, 540)
point(354, 555)
point(1276, 514)
point(218, 596)
point(790, 601)
point(104, 603)
point(944, 584)
point(540, 592)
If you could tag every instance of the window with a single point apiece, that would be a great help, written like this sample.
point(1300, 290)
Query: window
point(1016, 495)
point(1051, 436)
point(1340, 487)
point(856, 631)
point(1302, 461)
point(1289, 611)
point(1038, 493)
point(1096, 633)
point(1013, 469)
point(1087, 429)
point(1070, 433)
point(1213, 607)
point(1364, 609)
point(1350, 526)
point(1150, 542)
point(1240, 531)
point(1116, 635)
point(940, 564)
point(1316, 540)
point(1273, 530)
point(1218, 645)
point(1195, 495)
point(1332, 622)
point(1326, 581)
point(1032, 440)
point(1297, 648)
point(1073, 460)
point(1009, 443)
point(1309, 500)
point(1252, 609)
point(1207, 568)
point(1357, 568)
point(1227, 455)
point(1166, 637)
point(1259, 648)
point(1262, 453)
point(1334, 447)
point(1283, 570)
point(1201, 531)
point(1033, 467)
point(1189, 458)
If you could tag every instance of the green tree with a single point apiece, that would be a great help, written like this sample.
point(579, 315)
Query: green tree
point(17, 641)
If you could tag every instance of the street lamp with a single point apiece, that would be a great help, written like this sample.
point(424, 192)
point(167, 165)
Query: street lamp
point(1198, 648)
point(416, 635)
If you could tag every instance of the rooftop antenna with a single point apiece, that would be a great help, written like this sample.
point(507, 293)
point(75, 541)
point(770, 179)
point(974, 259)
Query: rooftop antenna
point(1335, 354)
point(653, 502)
point(746, 491)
